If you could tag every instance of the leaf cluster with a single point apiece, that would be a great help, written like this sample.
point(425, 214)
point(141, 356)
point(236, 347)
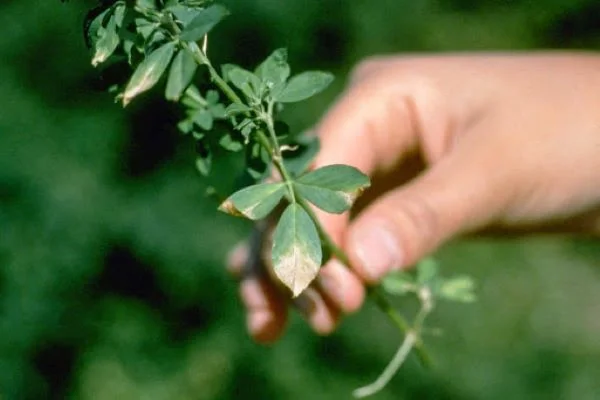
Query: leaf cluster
point(427, 276)
point(237, 112)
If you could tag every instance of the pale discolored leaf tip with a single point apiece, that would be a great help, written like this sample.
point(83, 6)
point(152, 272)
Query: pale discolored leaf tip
point(296, 270)
point(297, 253)
point(229, 208)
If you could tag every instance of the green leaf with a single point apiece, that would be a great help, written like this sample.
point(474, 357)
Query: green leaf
point(185, 126)
point(193, 99)
point(204, 159)
point(399, 283)
point(107, 42)
point(236, 108)
point(305, 85)
point(203, 23)
point(181, 74)
point(184, 14)
point(332, 188)
point(297, 253)
point(244, 80)
point(254, 202)
point(149, 72)
point(204, 119)
point(229, 143)
point(459, 289)
point(274, 72)
point(427, 270)
point(257, 161)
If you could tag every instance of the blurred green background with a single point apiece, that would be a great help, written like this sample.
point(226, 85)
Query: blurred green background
point(111, 258)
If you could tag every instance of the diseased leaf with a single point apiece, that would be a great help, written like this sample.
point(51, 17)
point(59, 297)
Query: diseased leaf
point(332, 188)
point(399, 283)
point(149, 72)
point(108, 40)
point(459, 289)
point(203, 23)
point(254, 202)
point(181, 74)
point(297, 253)
point(274, 72)
point(305, 85)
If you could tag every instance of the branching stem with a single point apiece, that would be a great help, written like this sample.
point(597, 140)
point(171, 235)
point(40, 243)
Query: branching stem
point(271, 144)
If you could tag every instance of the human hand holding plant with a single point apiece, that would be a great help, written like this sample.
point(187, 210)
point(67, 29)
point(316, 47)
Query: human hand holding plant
point(509, 143)
point(380, 121)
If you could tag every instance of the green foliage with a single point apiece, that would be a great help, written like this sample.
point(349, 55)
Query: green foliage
point(149, 72)
point(181, 74)
point(332, 188)
point(254, 202)
point(303, 86)
point(160, 35)
point(203, 22)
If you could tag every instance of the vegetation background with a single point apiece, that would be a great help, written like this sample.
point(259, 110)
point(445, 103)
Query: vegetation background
point(111, 259)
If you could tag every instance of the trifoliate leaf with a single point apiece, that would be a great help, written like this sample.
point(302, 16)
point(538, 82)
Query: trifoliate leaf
point(332, 188)
point(459, 289)
point(181, 74)
point(254, 202)
point(304, 85)
point(203, 23)
point(296, 251)
point(149, 72)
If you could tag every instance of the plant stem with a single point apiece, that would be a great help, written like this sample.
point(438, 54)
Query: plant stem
point(390, 371)
point(273, 147)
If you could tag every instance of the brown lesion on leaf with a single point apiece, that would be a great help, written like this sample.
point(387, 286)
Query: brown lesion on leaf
point(229, 208)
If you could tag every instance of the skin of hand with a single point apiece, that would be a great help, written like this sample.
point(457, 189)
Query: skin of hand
point(454, 144)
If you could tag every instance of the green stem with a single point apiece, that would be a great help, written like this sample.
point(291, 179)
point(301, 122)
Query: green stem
point(273, 147)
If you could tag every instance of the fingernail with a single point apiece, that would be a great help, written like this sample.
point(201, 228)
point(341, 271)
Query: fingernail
point(377, 250)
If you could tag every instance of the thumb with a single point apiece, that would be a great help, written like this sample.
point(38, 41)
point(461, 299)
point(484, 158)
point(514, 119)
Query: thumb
point(457, 194)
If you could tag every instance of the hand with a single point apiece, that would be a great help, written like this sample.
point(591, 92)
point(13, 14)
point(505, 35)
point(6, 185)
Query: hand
point(454, 144)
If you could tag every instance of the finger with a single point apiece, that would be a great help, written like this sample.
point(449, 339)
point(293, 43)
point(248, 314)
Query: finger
point(322, 316)
point(460, 193)
point(237, 259)
point(266, 309)
point(341, 286)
